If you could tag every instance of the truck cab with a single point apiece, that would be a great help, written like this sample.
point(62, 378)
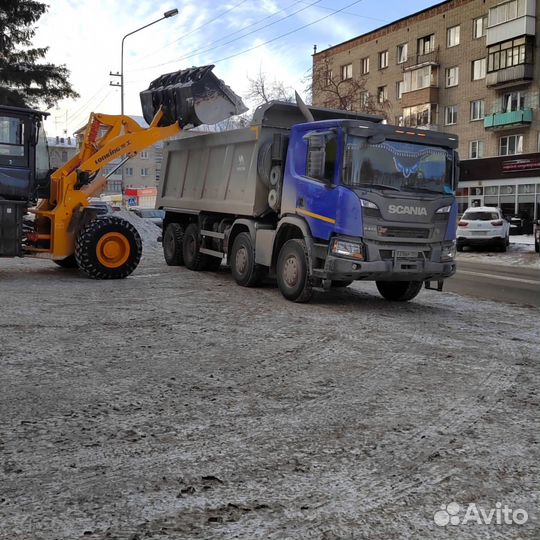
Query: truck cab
point(379, 198)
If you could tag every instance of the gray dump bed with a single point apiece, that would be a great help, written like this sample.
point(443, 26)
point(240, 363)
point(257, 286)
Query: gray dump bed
point(222, 172)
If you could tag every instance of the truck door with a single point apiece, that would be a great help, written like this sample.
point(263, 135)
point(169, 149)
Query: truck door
point(316, 193)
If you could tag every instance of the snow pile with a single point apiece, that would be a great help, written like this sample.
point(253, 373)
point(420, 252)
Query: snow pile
point(149, 231)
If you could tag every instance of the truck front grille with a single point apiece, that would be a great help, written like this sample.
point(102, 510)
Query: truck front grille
point(402, 232)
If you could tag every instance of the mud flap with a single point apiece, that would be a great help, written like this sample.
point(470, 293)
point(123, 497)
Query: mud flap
point(439, 287)
point(191, 97)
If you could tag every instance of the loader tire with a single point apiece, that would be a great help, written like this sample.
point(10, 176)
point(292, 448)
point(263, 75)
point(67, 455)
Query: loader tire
point(68, 262)
point(173, 244)
point(108, 247)
point(294, 280)
point(399, 291)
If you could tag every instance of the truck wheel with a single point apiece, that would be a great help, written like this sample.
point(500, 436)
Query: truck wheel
point(108, 247)
point(193, 258)
point(243, 268)
point(68, 262)
point(293, 277)
point(173, 244)
point(399, 291)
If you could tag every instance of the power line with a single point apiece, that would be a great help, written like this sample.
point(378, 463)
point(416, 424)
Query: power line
point(208, 49)
point(334, 12)
point(194, 51)
point(198, 28)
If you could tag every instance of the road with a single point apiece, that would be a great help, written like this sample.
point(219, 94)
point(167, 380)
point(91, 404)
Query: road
point(177, 405)
point(511, 284)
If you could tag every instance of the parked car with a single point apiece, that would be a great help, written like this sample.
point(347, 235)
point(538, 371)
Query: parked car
point(516, 225)
point(483, 226)
point(536, 232)
point(154, 215)
point(102, 207)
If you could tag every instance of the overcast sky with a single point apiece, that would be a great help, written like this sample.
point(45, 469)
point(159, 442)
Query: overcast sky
point(240, 37)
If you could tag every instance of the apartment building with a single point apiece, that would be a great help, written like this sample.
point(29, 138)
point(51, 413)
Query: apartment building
point(469, 67)
point(61, 150)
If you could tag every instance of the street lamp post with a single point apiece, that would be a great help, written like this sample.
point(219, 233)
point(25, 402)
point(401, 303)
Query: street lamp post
point(166, 15)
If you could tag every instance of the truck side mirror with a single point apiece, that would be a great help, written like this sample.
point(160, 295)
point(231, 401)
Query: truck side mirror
point(316, 156)
point(456, 171)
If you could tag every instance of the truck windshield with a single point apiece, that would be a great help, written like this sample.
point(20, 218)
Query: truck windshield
point(397, 165)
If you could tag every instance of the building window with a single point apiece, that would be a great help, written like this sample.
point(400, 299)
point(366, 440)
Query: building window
point(402, 51)
point(479, 69)
point(421, 116)
point(364, 99)
point(477, 109)
point(365, 65)
point(452, 36)
point(418, 79)
point(129, 171)
point(479, 27)
point(513, 144)
point(450, 115)
point(452, 76)
point(64, 156)
point(399, 89)
point(507, 12)
point(144, 154)
point(382, 94)
point(346, 72)
point(144, 171)
point(383, 59)
point(513, 101)
point(476, 149)
point(510, 53)
point(426, 44)
point(329, 77)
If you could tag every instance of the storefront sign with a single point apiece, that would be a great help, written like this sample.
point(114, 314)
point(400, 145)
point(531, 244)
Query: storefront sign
point(513, 165)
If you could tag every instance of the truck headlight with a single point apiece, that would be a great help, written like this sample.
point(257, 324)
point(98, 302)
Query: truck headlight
point(368, 204)
point(346, 248)
point(444, 210)
point(448, 252)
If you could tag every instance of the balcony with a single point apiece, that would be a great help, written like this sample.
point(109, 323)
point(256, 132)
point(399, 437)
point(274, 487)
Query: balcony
point(522, 26)
point(510, 76)
point(420, 60)
point(508, 120)
point(419, 97)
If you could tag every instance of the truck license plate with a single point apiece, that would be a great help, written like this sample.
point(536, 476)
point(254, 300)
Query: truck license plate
point(406, 254)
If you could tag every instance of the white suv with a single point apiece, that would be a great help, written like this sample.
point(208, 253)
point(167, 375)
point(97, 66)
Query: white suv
point(483, 226)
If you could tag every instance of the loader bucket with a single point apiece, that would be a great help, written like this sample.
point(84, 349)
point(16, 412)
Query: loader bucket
point(191, 97)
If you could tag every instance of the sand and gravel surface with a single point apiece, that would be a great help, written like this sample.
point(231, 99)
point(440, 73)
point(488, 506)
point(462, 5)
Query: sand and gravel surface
point(177, 405)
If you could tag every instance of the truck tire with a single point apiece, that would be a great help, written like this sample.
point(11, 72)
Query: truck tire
point(173, 244)
point(243, 268)
point(68, 262)
point(399, 291)
point(191, 245)
point(108, 247)
point(292, 270)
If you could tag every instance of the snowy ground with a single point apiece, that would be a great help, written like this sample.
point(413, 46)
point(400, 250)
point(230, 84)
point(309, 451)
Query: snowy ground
point(176, 405)
point(520, 253)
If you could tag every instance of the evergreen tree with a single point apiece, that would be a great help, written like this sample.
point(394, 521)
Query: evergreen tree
point(24, 81)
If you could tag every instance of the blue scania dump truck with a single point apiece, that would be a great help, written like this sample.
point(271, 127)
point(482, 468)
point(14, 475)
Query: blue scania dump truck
point(317, 198)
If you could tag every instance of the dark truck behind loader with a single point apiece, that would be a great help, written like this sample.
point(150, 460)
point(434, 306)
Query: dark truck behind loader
point(316, 197)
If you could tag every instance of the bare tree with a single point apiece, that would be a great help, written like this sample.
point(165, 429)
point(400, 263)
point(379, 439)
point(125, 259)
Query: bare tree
point(262, 90)
point(332, 90)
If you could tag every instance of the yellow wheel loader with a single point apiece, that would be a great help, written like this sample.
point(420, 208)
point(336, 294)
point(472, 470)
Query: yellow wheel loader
point(49, 215)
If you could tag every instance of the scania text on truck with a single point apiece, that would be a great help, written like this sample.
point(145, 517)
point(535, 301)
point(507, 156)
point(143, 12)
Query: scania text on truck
point(317, 198)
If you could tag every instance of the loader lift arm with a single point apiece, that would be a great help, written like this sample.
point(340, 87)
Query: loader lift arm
point(59, 217)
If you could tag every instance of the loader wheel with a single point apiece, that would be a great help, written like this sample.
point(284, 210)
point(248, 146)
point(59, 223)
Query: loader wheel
point(193, 258)
point(173, 244)
point(243, 268)
point(399, 291)
point(108, 247)
point(68, 262)
point(292, 271)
